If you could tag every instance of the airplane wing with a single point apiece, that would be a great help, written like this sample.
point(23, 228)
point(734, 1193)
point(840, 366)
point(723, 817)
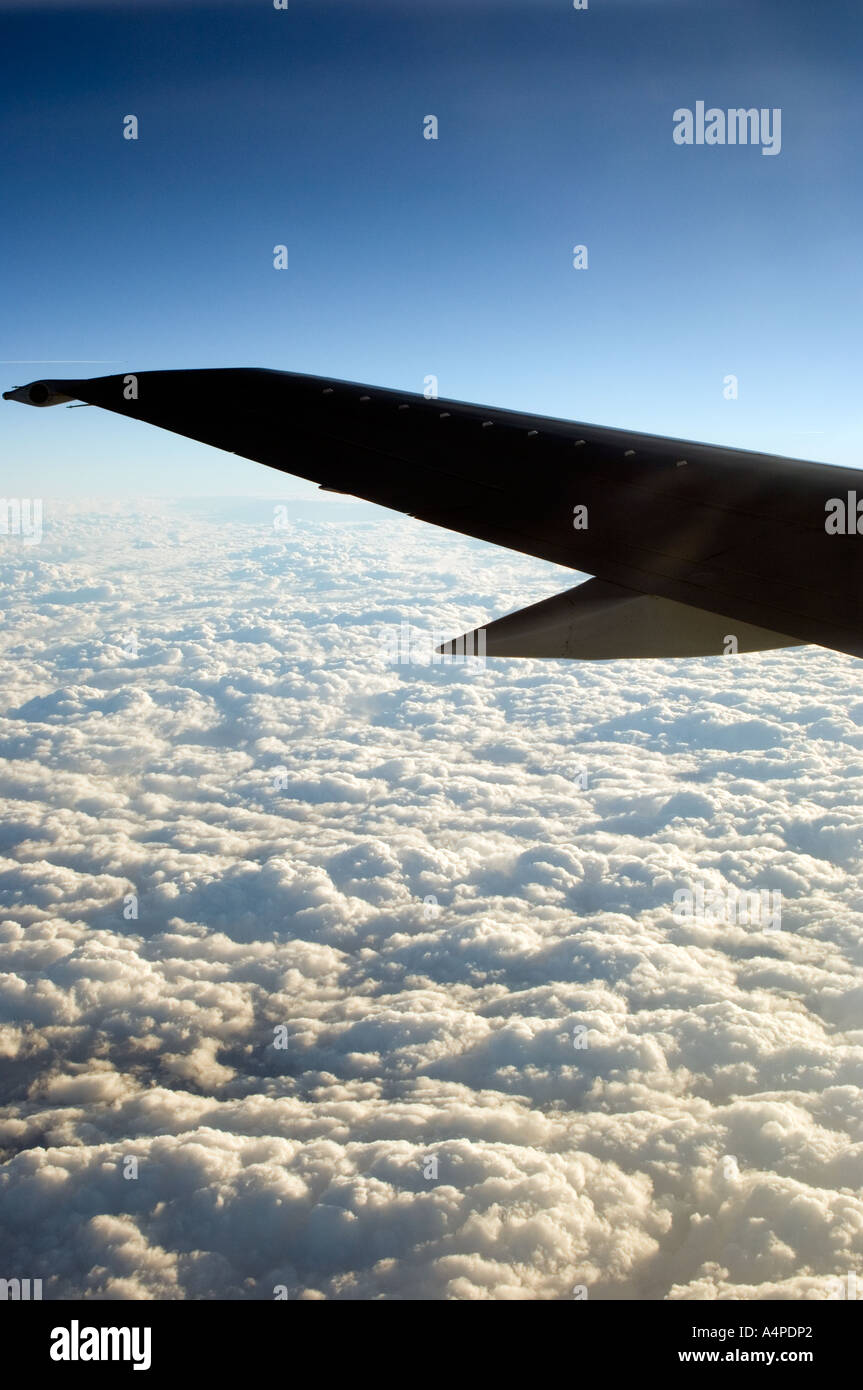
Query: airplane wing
point(690, 543)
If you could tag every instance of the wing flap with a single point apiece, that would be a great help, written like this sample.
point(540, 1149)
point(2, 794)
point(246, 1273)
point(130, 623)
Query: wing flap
point(597, 621)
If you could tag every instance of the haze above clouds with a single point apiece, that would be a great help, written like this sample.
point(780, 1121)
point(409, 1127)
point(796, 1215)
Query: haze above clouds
point(398, 863)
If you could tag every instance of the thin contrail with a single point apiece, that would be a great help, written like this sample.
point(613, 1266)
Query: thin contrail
point(55, 361)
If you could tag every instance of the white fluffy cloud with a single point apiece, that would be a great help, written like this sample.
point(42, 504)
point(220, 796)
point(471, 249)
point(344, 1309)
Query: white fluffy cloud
point(400, 864)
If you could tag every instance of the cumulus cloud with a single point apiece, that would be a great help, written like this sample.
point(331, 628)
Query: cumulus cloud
point(508, 1068)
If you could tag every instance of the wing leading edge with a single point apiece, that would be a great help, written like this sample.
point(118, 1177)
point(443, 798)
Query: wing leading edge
point(733, 535)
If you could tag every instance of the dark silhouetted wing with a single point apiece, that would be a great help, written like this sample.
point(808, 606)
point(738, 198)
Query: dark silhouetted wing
point(734, 534)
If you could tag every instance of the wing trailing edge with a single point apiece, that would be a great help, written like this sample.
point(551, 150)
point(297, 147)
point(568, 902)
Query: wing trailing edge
point(597, 621)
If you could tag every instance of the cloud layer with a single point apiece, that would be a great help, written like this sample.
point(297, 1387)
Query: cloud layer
point(509, 1071)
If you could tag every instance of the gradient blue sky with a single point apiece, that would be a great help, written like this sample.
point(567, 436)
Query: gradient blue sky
point(409, 256)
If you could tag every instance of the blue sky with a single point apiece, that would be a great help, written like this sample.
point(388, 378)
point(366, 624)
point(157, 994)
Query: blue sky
point(409, 256)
